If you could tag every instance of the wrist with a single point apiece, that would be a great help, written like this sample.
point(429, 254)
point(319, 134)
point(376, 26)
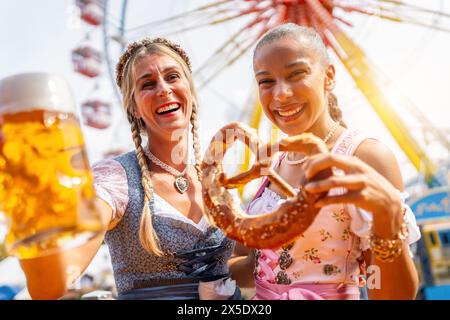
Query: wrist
point(385, 245)
point(387, 224)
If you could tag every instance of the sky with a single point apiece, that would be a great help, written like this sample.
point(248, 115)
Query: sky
point(38, 36)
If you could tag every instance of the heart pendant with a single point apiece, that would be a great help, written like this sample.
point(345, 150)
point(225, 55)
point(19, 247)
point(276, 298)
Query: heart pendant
point(181, 184)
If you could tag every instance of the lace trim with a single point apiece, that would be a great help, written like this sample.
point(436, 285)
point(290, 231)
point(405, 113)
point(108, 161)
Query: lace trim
point(346, 142)
point(269, 194)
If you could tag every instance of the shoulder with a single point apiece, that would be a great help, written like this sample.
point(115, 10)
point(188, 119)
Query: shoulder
point(108, 170)
point(377, 155)
point(105, 166)
point(114, 162)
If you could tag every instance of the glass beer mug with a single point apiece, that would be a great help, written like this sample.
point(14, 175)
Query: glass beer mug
point(46, 189)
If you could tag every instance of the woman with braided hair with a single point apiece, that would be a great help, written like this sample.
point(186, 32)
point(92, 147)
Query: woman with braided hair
point(362, 219)
point(161, 246)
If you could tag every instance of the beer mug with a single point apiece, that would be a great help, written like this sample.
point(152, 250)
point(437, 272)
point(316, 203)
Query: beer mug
point(46, 189)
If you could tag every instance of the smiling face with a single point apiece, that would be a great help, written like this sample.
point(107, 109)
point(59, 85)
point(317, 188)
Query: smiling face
point(162, 94)
point(293, 84)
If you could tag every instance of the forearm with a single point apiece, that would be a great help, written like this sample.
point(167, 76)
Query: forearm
point(49, 277)
point(399, 278)
point(396, 280)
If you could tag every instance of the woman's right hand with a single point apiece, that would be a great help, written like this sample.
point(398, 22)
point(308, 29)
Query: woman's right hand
point(49, 277)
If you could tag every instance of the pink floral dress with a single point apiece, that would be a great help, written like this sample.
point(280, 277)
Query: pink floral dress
point(326, 261)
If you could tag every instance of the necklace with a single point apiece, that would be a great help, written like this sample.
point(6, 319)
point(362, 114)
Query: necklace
point(181, 183)
point(302, 160)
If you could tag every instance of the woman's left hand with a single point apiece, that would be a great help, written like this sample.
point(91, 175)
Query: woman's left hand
point(367, 189)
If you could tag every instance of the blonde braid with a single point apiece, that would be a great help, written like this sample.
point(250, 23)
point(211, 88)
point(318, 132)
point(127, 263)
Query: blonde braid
point(196, 140)
point(147, 234)
point(125, 80)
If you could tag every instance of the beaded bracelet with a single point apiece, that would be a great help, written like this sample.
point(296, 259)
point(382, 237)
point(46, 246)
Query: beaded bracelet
point(387, 250)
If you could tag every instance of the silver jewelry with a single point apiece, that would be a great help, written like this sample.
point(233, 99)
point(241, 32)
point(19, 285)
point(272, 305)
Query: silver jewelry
point(181, 183)
point(302, 160)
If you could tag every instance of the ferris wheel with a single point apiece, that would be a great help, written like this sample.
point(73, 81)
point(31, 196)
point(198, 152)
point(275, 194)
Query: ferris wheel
point(242, 22)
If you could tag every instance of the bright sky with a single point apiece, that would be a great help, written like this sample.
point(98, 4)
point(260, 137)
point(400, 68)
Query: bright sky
point(39, 36)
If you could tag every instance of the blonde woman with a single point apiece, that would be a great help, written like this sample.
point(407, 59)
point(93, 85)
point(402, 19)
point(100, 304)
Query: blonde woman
point(160, 244)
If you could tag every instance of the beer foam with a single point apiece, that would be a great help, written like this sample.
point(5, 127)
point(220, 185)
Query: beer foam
point(30, 91)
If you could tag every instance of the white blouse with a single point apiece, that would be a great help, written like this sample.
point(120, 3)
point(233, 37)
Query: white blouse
point(111, 185)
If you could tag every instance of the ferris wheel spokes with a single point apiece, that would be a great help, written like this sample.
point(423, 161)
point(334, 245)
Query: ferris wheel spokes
point(207, 15)
point(394, 11)
point(326, 16)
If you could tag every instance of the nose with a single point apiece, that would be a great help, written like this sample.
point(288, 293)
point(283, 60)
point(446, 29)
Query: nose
point(282, 91)
point(163, 89)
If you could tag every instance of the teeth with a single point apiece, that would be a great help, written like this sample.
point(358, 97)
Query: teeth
point(169, 107)
point(289, 113)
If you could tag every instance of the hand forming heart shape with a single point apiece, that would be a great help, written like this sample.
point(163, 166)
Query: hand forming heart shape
point(270, 230)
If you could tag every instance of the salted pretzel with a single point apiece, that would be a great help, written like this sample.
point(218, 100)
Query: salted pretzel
point(269, 230)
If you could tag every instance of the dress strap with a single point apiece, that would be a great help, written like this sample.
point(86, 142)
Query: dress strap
point(349, 141)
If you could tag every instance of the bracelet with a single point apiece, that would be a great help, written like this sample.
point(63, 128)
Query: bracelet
point(387, 250)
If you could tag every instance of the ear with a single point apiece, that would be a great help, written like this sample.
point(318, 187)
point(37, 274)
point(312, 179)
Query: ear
point(330, 82)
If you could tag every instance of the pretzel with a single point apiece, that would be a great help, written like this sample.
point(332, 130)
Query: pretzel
point(270, 230)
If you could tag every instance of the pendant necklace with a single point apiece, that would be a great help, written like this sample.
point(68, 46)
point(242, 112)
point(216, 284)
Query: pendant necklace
point(181, 183)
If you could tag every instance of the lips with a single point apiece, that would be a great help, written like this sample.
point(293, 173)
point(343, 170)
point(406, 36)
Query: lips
point(290, 111)
point(168, 108)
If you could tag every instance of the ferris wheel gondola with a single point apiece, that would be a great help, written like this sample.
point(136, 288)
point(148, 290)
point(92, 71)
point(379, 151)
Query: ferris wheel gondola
point(87, 61)
point(96, 114)
point(91, 11)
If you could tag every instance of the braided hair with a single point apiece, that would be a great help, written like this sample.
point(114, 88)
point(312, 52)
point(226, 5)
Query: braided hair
point(126, 82)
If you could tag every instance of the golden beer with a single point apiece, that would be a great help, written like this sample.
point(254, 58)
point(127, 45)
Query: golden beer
point(46, 189)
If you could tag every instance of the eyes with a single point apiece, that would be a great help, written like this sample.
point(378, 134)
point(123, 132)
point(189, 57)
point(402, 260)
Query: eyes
point(173, 76)
point(295, 75)
point(169, 78)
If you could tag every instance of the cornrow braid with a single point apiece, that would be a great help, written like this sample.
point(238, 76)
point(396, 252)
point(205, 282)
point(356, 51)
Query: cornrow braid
point(134, 46)
point(334, 110)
